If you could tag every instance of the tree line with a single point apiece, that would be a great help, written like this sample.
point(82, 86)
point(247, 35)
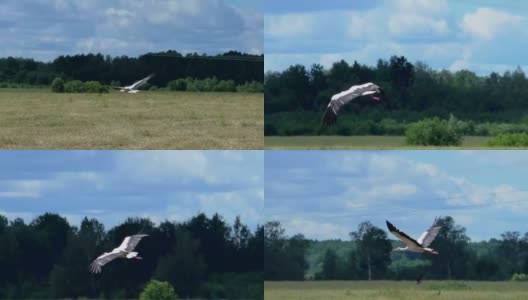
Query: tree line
point(168, 65)
point(201, 257)
point(368, 256)
point(296, 98)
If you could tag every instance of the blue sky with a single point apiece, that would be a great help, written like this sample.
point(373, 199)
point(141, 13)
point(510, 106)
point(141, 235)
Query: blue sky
point(44, 29)
point(479, 35)
point(114, 185)
point(326, 194)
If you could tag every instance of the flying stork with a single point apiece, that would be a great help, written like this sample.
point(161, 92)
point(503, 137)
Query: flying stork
point(338, 101)
point(133, 89)
point(421, 245)
point(126, 249)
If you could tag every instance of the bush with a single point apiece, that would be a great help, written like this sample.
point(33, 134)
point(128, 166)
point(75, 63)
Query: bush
point(158, 290)
point(225, 86)
point(178, 85)
point(519, 277)
point(509, 140)
point(233, 286)
point(251, 87)
point(94, 87)
point(433, 132)
point(75, 86)
point(115, 83)
point(57, 86)
point(213, 85)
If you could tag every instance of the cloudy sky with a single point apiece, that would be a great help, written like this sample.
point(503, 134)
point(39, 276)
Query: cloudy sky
point(114, 185)
point(326, 194)
point(480, 35)
point(44, 29)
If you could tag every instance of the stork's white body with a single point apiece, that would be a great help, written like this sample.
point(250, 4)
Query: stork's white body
point(422, 244)
point(125, 250)
point(133, 89)
point(338, 101)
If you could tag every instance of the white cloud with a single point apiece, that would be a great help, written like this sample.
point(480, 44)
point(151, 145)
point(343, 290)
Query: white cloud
point(124, 27)
point(485, 23)
point(22, 189)
point(316, 230)
point(159, 165)
point(230, 205)
point(284, 26)
point(405, 24)
point(101, 44)
point(421, 6)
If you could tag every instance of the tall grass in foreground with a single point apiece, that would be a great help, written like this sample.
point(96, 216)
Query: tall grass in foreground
point(40, 119)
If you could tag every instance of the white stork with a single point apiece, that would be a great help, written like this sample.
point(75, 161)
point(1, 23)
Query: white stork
point(421, 245)
point(133, 89)
point(338, 101)
point(124, 250)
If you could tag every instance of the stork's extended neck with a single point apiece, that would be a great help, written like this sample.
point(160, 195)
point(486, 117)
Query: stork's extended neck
point(400, 249)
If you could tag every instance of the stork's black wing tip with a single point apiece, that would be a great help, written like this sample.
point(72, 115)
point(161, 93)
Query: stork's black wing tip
point(390, 226)
point(329, 118)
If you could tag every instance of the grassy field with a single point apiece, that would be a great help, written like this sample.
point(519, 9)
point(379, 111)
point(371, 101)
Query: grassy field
point(39, 119)
point(400, 290)
point(359, 142)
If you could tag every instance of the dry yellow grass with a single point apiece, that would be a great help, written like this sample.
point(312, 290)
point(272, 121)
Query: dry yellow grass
point(39, 119)
point(397, 290)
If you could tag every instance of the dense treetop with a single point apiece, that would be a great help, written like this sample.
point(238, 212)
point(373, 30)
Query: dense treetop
point(369, 251)
point(413, 92)
point(201, 257)
point(169, 65)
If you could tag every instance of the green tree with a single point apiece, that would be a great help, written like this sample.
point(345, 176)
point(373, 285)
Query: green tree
point(330, 265)
point(451, 244)
point(373, 248)
point(285, 258)
point(158, 290)
point(184, 268)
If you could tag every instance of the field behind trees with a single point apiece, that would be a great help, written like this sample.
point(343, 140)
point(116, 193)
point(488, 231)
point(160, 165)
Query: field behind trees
point(40, 119)
point(335, 142)
point(397, 290)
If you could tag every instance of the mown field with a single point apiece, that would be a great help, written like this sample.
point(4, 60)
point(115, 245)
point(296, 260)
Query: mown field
point(39, 119)
point(401, 290)
point(359, 142)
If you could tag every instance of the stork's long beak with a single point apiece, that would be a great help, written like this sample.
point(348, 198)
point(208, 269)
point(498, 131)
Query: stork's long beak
point(375, 98)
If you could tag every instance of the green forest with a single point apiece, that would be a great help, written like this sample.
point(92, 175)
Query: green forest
point(201, 258)
point(169, 65)
point(481, 105)
point(297, 258)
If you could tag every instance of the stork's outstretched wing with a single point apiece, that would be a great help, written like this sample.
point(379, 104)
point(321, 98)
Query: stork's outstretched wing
point(338, 101)
point(98, 263)
point(407, 240)
point(430, 234)
point(131, 242)
point(141, 82)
